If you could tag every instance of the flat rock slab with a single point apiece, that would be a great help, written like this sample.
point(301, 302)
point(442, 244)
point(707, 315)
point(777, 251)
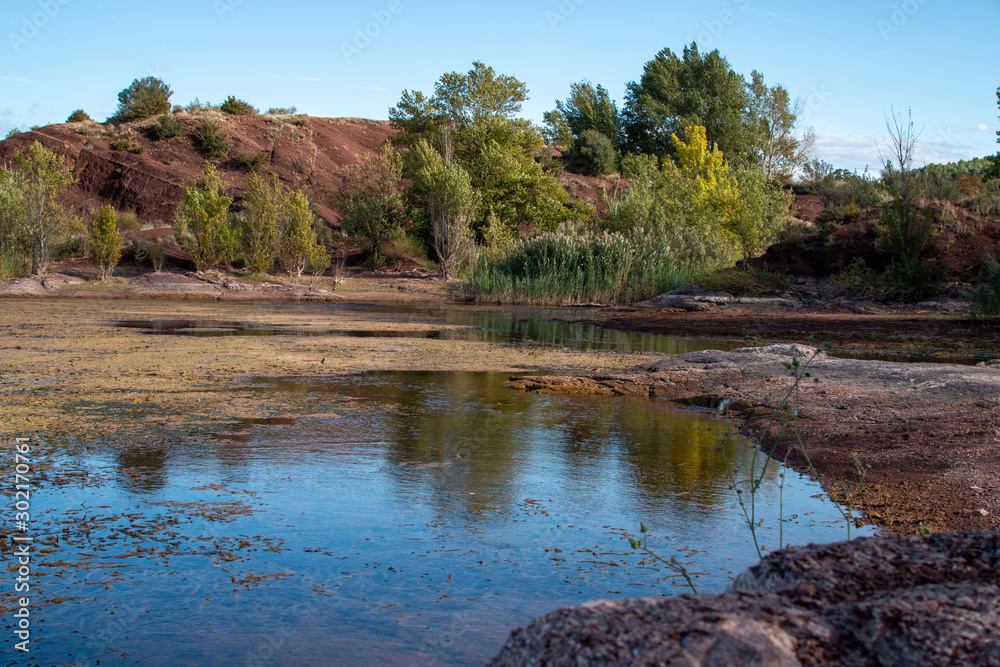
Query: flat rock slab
point(871, 601)
point(926, 436)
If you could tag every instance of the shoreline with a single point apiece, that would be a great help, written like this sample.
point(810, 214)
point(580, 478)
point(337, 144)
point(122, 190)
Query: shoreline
point(913, 445)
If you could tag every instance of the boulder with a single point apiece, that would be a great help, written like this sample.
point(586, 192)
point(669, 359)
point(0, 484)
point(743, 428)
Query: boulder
point(871, 601)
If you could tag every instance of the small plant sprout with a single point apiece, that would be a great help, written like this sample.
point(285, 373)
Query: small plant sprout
point(672, 563)
point(782, 425)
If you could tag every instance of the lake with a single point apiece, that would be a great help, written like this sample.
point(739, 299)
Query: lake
point(347, 515)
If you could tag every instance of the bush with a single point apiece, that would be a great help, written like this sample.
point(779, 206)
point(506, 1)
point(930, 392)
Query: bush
point(752, 281)
point(104, 248)
point(212, 140)
point(560, 269)
point(281, 111)
point(145, 98)
point(593, 154)
point(126, 145)
point(167, 128)
point(237, 107)
point(987, 300)
point(78, 116)
point(251, 161)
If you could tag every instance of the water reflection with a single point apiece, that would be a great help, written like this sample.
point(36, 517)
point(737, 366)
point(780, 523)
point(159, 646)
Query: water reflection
point(435, 513)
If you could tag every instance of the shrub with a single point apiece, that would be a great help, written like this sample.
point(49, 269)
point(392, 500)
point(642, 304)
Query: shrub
point(126, 145)
point(13, 132)
point(593, 154)
point(212, 140)
point(281, 111)
point(167, 127)
point(104, 248)
point(78, 116)
point(145, 98)
point(237, 107)
point(251, 161)
point(751, 281)
point(299, 122)
point(196, 106)
point(987, 300)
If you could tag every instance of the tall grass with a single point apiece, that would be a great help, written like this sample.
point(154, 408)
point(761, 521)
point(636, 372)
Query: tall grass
point(13, 265)
point(562, 269)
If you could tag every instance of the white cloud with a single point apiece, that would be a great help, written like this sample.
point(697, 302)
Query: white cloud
point(12, 78)
point(375, 88)
point(859, 151)
point(982, 127)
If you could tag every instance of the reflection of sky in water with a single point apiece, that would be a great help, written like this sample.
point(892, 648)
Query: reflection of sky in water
point(418, 529)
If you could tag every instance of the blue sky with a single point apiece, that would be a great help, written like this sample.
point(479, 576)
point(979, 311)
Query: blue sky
point(850, 61)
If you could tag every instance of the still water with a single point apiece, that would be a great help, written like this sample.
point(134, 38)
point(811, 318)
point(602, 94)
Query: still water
point(414, 518)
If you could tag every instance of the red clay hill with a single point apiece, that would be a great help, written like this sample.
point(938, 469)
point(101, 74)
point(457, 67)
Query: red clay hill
point(303, 151)
point(150, 175)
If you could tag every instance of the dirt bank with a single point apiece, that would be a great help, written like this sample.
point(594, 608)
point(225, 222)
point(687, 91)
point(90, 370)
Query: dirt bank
point(925, 435)
point(77, 280)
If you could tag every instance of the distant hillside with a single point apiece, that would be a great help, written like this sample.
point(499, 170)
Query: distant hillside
point(303, 151)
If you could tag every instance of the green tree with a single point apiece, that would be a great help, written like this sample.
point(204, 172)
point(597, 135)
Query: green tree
point(372, 201)
point(300, 248)
point(754, 208)
point(586, 108)
point(677, 92)
point(205, 214)
point(78, 116)
point(497, 149)
point(261, 228)
point(15, 239)
point(104, 247)
point(144, 98)
point(45, 219)
point(451, 205)
point(772, 118)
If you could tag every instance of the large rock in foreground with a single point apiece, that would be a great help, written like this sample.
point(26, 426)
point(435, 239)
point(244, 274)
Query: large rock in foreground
point(872, 601)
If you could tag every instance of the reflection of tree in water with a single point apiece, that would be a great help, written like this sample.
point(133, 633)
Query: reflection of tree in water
point(454, 435)
point(462, 433)
point(142, 469)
